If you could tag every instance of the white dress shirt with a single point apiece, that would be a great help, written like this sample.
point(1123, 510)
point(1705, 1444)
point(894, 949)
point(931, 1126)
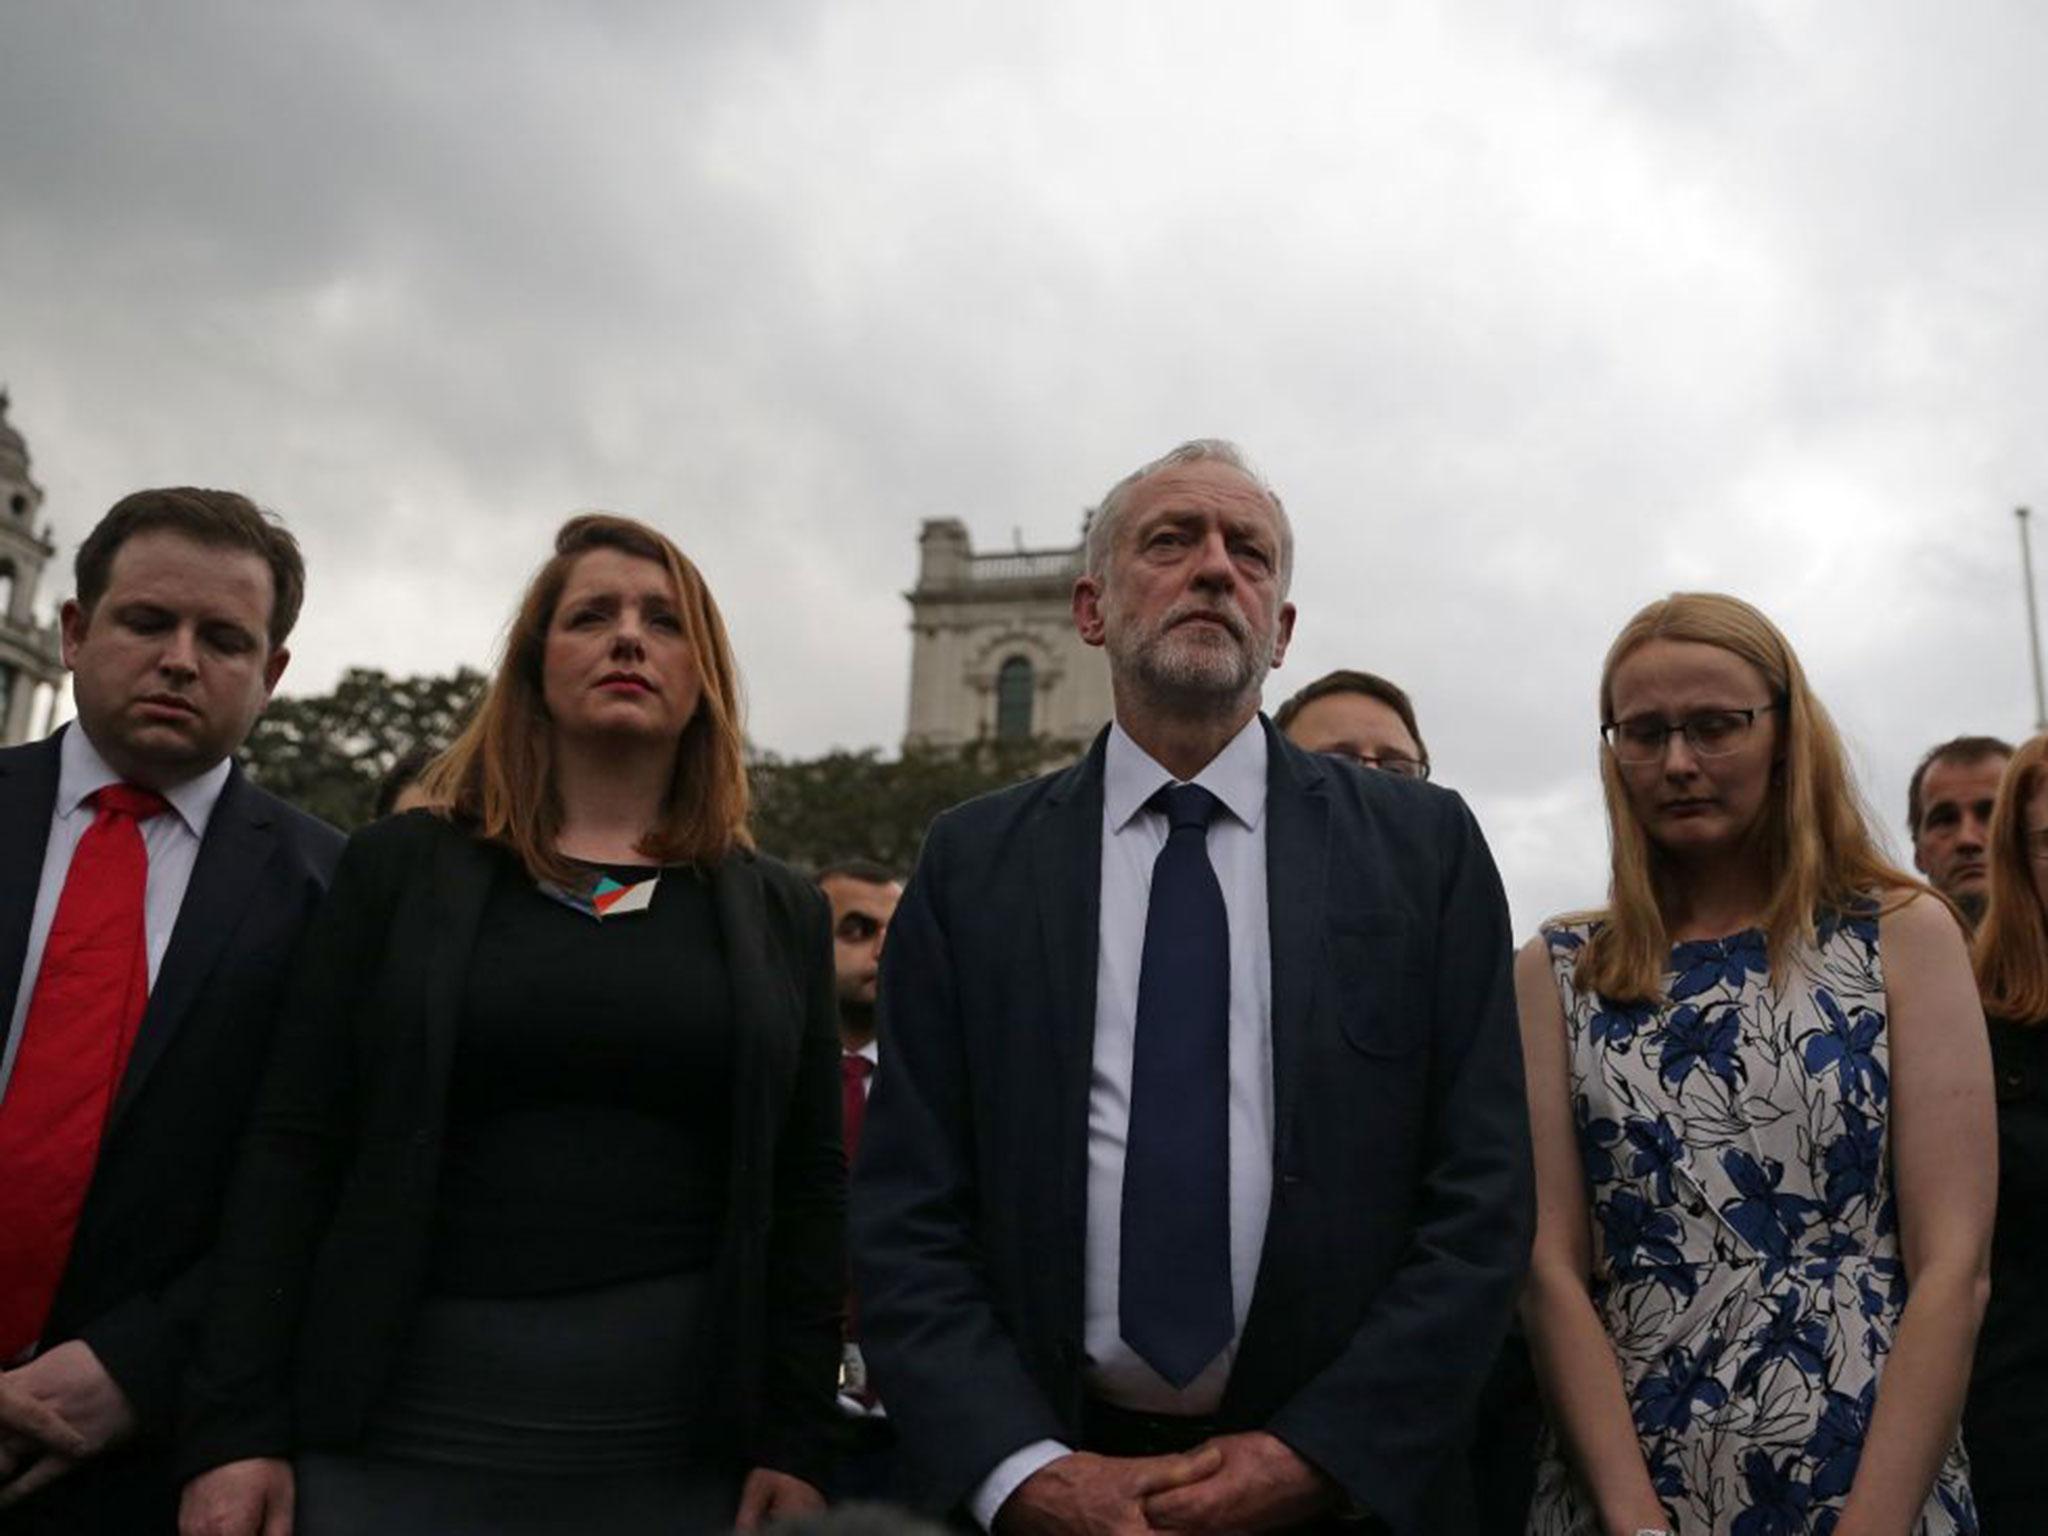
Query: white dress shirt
point(1132, 838)
point(171, 842)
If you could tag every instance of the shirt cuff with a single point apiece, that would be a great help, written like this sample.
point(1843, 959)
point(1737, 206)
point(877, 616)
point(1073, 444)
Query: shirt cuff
point(1009, 1474)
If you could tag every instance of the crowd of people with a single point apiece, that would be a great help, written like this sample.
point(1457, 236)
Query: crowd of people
point(1218, 1162)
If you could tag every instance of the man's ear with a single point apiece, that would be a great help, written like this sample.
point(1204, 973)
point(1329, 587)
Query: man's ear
point(72, 623)
point(273, 669)
point(1283, 633)
point(1088, 610)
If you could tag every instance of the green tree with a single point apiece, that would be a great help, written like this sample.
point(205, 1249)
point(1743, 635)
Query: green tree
point(326, 753)
point(857, 804)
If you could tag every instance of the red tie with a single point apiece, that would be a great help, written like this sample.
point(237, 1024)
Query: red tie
point(854, 1071)
point(81, 1023)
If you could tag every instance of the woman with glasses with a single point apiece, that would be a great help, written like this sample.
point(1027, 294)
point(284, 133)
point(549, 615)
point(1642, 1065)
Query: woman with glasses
point(2006, 1423)
point(1761, 1104)
point(538, 1229)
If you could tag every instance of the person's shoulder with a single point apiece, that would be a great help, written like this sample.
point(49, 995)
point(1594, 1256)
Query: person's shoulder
point(31, 753)
point(33, 760)
point(990, 819)
point(782, 881)
point(794, 904)
point(393, 847)
point(1907, 922)
point(1567, 932)
point(317, 839)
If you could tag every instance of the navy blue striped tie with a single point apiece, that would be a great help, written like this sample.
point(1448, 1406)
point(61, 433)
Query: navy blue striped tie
point(1173, 1292)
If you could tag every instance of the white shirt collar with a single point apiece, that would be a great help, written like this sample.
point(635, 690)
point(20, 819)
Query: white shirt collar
point(1236, 776)
point(867, 1049)
point(81, 771)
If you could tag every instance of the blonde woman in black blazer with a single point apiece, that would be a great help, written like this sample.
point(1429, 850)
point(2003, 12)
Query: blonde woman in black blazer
point(540, 1225)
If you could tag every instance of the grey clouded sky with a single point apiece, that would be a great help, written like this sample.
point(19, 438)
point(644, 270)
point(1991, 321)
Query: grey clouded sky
point(1532, 313)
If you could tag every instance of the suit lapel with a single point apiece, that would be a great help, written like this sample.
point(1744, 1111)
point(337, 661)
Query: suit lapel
point(238, 845)
point(28, 794)
point(741, 903)
point(742, 907)
point(460, 886)
point(1066, 857)
point(1297, 876)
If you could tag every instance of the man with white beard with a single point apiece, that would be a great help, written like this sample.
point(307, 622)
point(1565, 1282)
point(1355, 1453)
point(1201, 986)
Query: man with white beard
point(1196, 1194)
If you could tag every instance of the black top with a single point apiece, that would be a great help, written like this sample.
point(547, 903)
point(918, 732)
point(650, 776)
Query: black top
point(2005, 1426)
point(590, 1096)
point(324, 1245)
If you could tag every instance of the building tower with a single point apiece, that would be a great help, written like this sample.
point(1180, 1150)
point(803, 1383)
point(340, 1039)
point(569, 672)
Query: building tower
point(30, 658)
point(993, 653)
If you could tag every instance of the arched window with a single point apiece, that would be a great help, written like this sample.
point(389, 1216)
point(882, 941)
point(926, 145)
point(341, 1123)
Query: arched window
point(1013, 700)
point(6, 588)
point(6, 698)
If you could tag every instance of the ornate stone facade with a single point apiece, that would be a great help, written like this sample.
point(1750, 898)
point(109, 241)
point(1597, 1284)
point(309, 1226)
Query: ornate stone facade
point(993, 651)
point(31, 666)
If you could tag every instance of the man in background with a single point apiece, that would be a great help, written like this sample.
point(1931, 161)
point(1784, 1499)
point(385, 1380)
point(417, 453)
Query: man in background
point(863, 896)
point(1358, 715)
point(1370, 720)
point(1948, 812)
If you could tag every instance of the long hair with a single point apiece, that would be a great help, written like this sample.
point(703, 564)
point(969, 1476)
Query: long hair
point(1814, 839)
point(2011, 948)
point(498, 777)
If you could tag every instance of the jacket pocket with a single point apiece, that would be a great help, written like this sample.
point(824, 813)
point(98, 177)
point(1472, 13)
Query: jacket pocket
point(1376, 1000)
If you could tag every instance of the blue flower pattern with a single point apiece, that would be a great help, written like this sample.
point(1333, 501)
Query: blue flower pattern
point(1735, 1141)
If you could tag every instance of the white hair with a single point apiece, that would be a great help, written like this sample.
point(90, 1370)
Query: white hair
point(1102, 522)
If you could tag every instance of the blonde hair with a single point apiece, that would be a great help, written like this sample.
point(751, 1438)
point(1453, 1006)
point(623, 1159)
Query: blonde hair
point(2011, 948)
point(497, 778)
point(1814, 838)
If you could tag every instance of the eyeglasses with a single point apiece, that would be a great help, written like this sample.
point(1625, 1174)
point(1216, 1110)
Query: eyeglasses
point(1387, 762)
point(1710, 733)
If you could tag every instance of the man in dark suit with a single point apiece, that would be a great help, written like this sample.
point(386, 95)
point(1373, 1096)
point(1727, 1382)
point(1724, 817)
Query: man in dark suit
point(1197, 1193)
point(150, 899)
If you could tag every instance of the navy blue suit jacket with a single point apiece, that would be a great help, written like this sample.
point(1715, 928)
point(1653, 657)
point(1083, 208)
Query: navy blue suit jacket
point(136, 1281)
point(1401, 1206)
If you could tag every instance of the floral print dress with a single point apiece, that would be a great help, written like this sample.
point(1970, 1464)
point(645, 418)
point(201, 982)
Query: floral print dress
point(1746, 1255)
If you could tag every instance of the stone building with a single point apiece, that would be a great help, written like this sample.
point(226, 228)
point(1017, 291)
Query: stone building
point(31, 667)
point(993, 653)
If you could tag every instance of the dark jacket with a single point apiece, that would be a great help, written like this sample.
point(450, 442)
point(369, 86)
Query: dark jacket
point(134, 1288)
point(2005, 1422)
point(1401, 1205)
point(331, 1216)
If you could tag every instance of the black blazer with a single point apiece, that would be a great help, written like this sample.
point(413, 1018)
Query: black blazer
point(134, 1286)
point(329, 1223)
point(1401, 1207)
point(2005, 1421)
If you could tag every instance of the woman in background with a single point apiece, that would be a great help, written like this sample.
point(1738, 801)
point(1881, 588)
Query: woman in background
point(2005, 1425)
point(1760, 1099)
point(539, 1226)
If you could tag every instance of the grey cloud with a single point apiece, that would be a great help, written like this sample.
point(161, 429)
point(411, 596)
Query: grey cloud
point(1530, 316)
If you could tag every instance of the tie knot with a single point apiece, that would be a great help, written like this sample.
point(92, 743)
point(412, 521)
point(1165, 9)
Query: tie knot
point(129, 800)
point(1186, 807)
point(854, 1067)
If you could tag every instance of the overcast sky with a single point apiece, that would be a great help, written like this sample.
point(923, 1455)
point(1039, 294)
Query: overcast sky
point(1531, 313)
